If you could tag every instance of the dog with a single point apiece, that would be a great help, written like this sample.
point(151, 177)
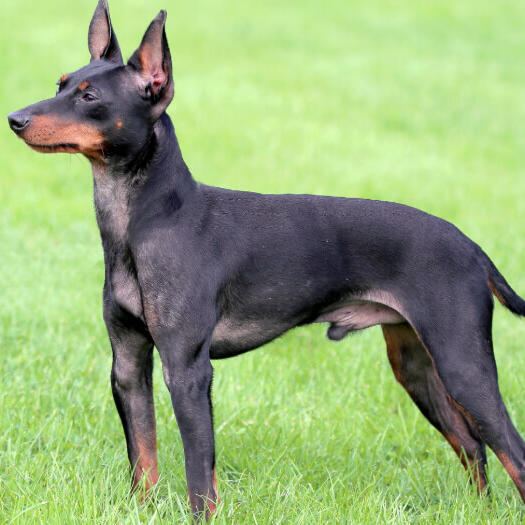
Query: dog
point(207, 273)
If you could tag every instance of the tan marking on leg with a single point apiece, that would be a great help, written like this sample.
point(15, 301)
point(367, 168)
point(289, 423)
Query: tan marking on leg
point(211, 504)
point(214, 485)
point(147, 466)
point(393, 349)
point(211, 508)
point(455, 429)
point(471, 464)
point(479, 472)
point(513, 472)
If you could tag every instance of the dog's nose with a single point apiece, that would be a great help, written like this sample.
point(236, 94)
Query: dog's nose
point(18, 121)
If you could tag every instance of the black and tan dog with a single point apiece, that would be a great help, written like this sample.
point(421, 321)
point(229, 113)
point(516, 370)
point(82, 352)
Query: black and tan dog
point(205, 273)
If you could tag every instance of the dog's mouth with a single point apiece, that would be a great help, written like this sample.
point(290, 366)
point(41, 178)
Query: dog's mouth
point(55, 148)
point(52, 133)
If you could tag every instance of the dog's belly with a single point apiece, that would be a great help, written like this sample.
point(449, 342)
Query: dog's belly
point(233, 337)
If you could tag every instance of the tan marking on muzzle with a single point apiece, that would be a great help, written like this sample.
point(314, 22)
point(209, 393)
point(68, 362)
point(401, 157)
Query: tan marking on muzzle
point(53, 134)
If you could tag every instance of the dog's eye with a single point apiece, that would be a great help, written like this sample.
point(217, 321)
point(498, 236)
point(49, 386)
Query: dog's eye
point(88, 97)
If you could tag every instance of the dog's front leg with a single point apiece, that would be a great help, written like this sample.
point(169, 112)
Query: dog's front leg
point(131, 383)
point(188, 374)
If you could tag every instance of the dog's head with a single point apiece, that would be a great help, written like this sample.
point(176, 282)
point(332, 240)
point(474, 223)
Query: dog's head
point(106, 108)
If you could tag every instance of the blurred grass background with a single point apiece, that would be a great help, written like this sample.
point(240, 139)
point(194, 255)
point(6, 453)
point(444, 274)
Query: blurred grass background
point(416, 102)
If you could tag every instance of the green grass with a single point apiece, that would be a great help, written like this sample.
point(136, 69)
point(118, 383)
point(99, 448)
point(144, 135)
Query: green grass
point(417, 102)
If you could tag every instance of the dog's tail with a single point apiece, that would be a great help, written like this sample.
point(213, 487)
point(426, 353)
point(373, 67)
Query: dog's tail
point(502, 289)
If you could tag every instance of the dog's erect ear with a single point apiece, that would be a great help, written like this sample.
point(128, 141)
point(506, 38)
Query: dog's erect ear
point(102, 41)
point(152, 61)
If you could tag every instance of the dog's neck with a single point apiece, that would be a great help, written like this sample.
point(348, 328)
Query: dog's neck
point(137, 189)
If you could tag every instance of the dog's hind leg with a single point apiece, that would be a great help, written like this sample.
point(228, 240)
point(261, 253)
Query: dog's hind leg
point(459, 342)
point(414, 369)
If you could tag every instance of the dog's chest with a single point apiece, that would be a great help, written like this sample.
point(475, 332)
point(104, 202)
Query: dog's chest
point(112, 200)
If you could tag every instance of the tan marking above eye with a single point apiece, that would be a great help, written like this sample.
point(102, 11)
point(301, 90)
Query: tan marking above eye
point(83, 85)
point(119, 124)
point(63, 78)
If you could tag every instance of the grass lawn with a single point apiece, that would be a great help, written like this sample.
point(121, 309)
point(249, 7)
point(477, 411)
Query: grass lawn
point(416, 102)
